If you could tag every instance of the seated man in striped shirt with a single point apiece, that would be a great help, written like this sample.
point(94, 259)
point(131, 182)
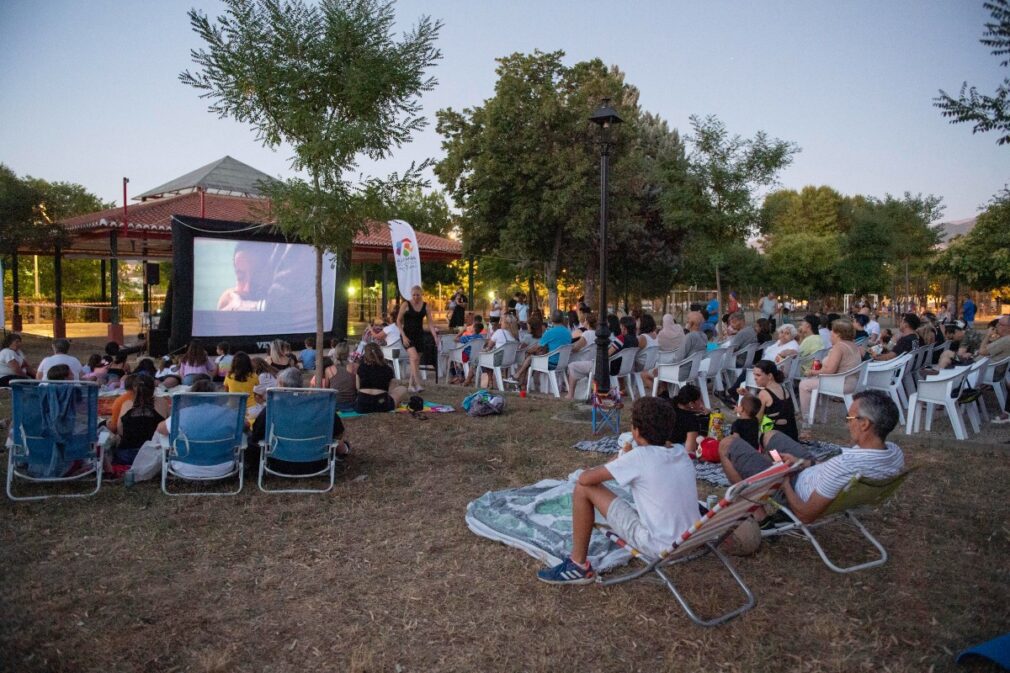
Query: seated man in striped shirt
point(871, 418)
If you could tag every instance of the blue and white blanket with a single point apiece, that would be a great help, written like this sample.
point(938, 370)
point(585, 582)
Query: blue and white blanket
point(538, 520)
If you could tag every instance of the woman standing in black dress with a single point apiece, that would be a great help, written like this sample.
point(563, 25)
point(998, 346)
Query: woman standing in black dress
point(458, 317)
point(411, 324)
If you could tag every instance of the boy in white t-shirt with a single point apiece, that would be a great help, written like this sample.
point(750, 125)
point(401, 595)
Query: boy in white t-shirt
point(662, 483)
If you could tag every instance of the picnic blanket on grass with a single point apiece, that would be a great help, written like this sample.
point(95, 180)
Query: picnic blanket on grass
point(710, 473)
point(429, 408)
point(538, 520)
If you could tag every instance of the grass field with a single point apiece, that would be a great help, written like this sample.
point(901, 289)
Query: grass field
point(383, 575)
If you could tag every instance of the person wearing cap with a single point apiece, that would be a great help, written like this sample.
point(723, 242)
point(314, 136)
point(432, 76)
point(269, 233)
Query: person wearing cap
point(59, 357)
point(964, 345)
point(997, 347)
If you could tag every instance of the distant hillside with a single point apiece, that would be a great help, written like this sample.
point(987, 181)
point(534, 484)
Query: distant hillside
point(955, 228)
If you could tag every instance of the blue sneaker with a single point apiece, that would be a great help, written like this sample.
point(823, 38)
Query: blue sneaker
point(567, 572)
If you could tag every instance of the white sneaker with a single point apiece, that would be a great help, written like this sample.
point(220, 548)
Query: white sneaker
point(1000, 420)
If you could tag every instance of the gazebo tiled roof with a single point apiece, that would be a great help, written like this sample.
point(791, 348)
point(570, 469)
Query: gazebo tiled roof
point(149, 224)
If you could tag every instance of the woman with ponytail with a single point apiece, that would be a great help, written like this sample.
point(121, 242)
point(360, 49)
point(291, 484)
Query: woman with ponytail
point(776, 399)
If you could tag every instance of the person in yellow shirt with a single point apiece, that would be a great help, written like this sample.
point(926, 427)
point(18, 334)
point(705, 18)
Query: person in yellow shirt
point(241, 378)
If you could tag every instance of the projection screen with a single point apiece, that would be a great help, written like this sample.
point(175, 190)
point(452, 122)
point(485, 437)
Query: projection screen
point(248, 288)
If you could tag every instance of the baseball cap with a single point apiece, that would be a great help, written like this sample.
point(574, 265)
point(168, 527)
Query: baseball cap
point(959, 324)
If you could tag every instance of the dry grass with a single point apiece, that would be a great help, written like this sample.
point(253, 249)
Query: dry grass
point(383, 575)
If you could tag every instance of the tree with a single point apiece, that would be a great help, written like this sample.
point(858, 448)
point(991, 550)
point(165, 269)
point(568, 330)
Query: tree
point(330, 81)
point(729, 174)
point(982, 257)
point(987, 113)
point(523, 168)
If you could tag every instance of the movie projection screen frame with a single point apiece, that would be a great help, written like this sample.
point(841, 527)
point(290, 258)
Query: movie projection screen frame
point(244, 287)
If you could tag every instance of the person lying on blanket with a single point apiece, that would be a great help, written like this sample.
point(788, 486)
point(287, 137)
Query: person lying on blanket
point(662, 484)
point(871, 418)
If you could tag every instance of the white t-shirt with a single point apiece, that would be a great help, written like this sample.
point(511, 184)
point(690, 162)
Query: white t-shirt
point(501, 337)
point(496, 309)
point(777, 348)
point(663, 485)
point(831, 476)
point(825, 334)
point(873, 327)
point(7, 357)
point(392, 333)
point(522, 312)
point(61, 359)
point(768, 306)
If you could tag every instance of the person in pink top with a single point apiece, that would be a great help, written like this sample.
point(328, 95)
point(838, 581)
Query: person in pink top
point(194, 362)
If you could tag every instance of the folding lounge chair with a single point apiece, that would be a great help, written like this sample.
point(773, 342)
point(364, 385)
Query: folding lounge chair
point(858, 494)
point(299, 429)
point(206, 430)
point(705, 536)
point(54, 424)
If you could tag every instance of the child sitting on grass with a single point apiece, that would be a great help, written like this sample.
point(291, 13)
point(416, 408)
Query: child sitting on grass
point(747, 425)
point(663, 487)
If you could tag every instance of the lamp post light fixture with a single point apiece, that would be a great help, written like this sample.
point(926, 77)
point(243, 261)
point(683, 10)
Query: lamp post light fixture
point(605, 117)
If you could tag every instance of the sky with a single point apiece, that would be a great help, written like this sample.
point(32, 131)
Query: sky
point(89, 89)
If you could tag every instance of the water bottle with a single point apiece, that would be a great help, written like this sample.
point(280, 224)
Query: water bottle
point(129, 479)
point(711, 501)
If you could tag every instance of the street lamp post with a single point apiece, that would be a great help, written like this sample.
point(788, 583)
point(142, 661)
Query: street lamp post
point(604, 117)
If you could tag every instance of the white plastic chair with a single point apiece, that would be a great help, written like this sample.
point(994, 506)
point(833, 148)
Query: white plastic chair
point(396, 354)
point(456, 354)
point(939, 389)
point(645, 361)
point(711, 367)
point(505, 355)
point(833, 385)
point(540, 365)
point(889, 376)
point(730, 368)
point(675, 376)
point(626, 371)
point(995, 376)
point(666, 357)
point(626, 358)
point(446, 343)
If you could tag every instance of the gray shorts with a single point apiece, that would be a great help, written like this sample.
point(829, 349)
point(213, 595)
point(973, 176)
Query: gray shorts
point(748, 461)
point(623, 518)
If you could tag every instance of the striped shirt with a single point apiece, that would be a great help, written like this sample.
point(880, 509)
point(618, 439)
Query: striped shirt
point(831, 476)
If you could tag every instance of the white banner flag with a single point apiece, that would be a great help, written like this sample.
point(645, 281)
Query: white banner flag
point(407, 255)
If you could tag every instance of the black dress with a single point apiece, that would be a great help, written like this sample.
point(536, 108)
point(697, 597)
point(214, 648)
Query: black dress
point(413, 325)
point(458, 316)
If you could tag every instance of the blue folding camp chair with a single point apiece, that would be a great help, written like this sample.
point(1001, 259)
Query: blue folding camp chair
point(299, 429)
point(206, 433)
point(54, 432)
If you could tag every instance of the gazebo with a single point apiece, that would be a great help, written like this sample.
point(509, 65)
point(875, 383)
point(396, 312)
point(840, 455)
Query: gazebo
point(225, 190)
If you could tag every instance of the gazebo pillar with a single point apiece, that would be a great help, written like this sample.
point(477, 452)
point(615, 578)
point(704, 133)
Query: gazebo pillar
point(115, 329)
point(59, 324)
point(469, 288)
point(16, 324)
point(105, 289)
point(385, 281)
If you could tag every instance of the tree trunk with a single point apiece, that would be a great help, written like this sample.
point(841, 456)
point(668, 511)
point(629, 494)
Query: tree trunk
point(590, 290)
point(718, 294)
point(551, 272)
point(319, 317)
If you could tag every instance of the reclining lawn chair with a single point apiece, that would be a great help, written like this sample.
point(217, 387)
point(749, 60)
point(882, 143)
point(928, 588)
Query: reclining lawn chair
point(54, 425)
point(206, 430)
point(858, 494)
point(299, 429)
point(705, 536)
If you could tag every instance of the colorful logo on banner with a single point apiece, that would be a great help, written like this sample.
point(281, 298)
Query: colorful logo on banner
point(407, 256)
point(404, 248)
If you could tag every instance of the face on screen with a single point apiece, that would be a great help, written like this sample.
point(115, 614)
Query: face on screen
point(256, 287)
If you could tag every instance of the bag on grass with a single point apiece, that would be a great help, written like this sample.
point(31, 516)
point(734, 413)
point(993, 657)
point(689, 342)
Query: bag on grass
point(708, 450)
point(147, 464)
point(483, 403)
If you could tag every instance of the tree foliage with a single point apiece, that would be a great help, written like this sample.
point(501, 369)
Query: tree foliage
point(330, 80)
point(982, 257)
point(987, 113)
point(523, 167)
